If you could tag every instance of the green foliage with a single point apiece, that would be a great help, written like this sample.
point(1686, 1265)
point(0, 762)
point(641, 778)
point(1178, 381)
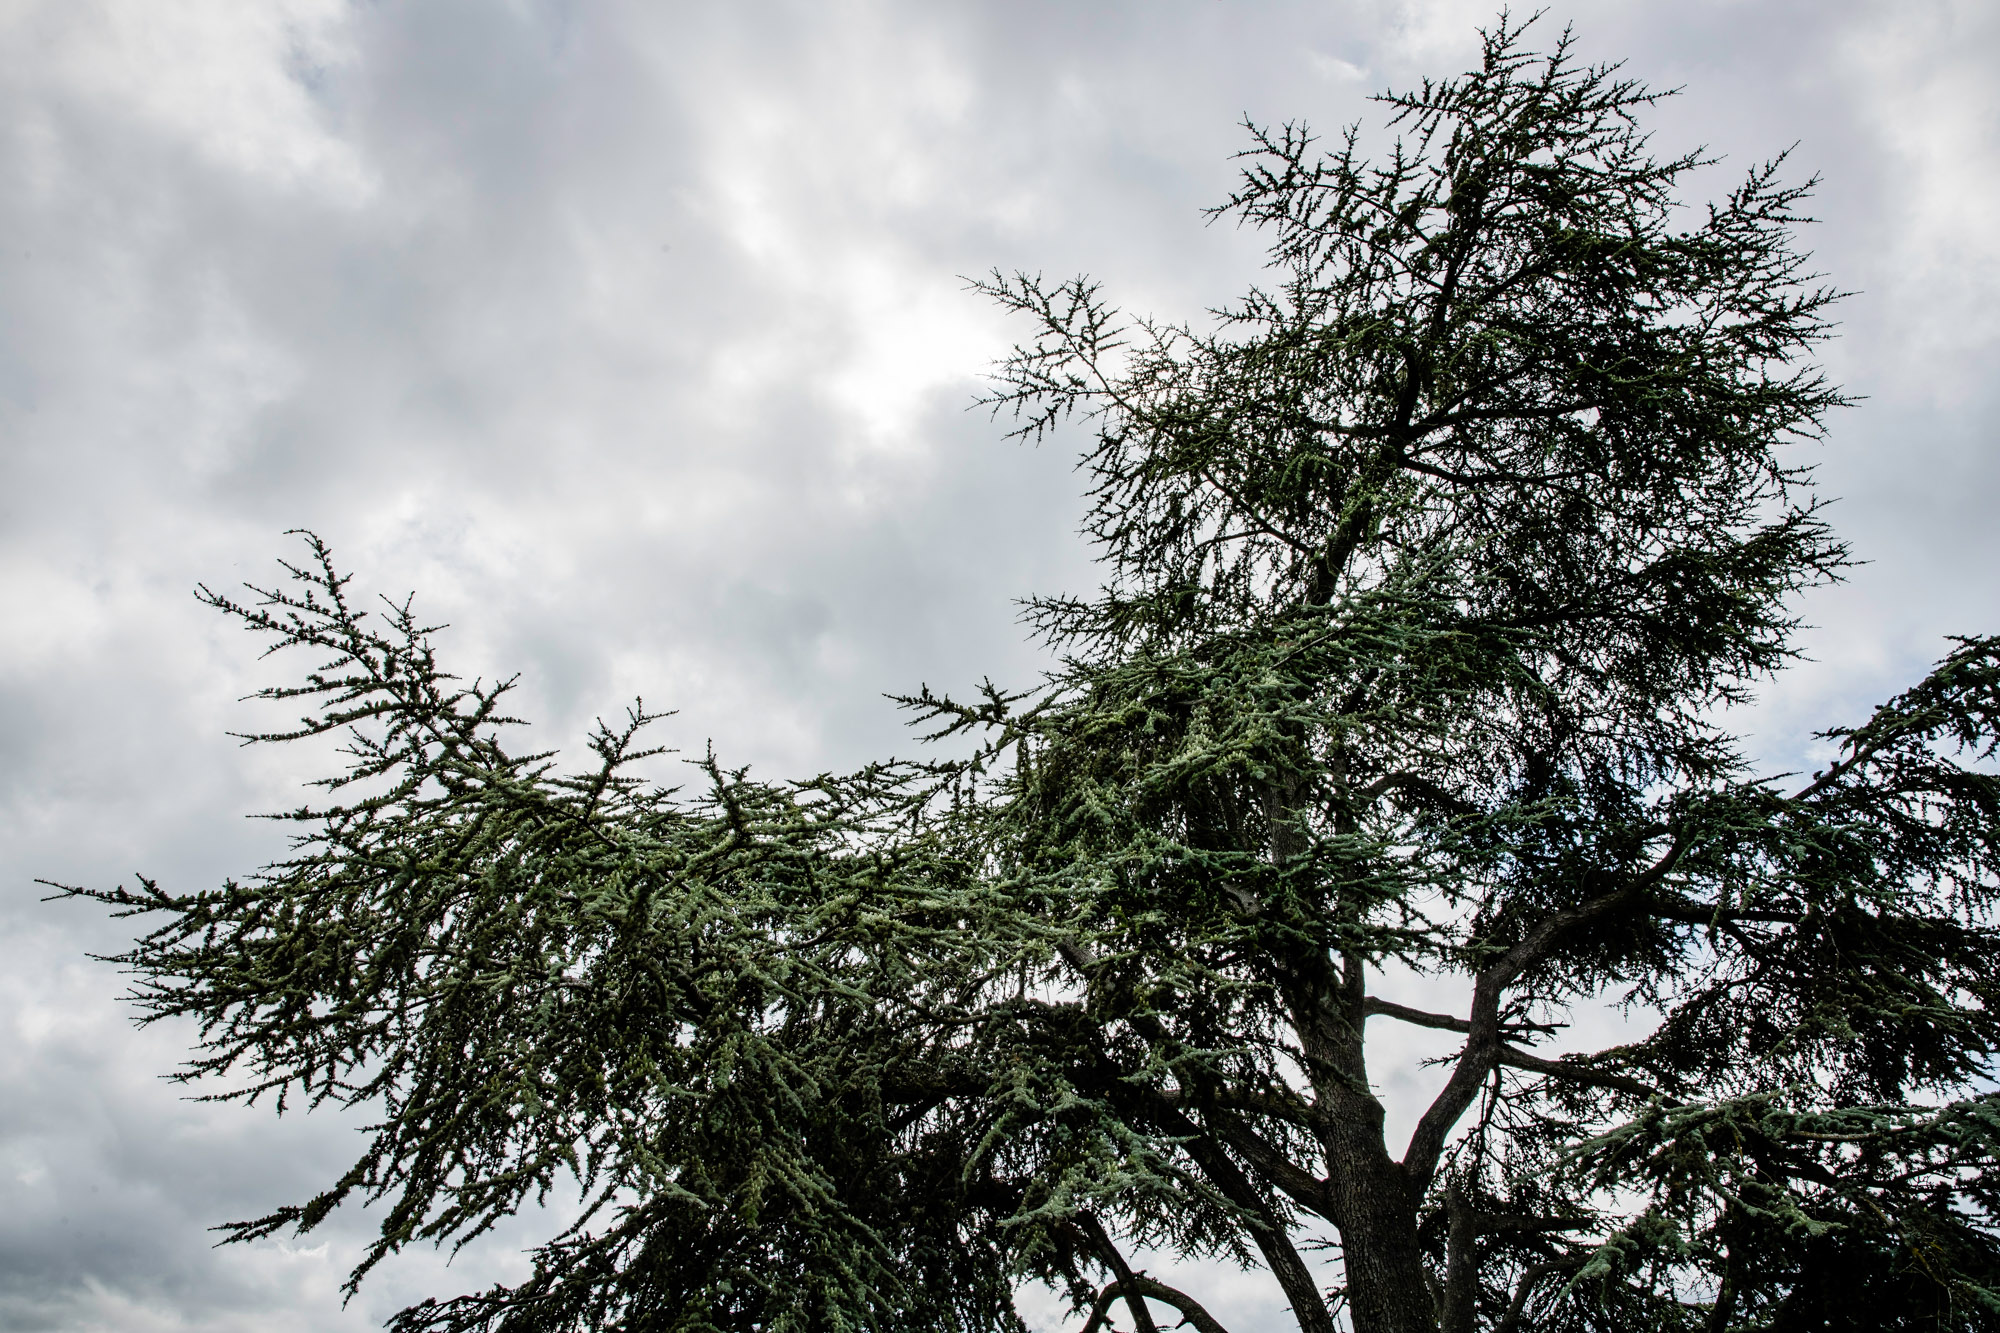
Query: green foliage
point(678, 1002)
point(1429, 572)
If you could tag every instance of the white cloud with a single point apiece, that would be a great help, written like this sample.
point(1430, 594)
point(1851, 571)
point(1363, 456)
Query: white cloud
point(1924, 76)
point(231, 82)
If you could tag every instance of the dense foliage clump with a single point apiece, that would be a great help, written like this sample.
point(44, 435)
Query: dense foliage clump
point(1428, 572)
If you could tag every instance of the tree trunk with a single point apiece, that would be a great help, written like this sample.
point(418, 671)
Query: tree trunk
point(1367, 1189)
point(1386, 1287)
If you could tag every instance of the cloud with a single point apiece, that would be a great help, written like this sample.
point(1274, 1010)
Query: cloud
point(632, 338)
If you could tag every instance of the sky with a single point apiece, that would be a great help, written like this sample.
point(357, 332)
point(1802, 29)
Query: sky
point(634, 339)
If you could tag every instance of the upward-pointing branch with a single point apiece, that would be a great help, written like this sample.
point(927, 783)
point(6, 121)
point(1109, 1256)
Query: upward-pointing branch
point(1483, 1048)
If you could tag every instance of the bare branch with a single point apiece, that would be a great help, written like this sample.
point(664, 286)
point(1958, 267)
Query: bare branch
point(1421, 1018)
point(1482, 1048)
point(1192, 1313)
point(1135, 1300)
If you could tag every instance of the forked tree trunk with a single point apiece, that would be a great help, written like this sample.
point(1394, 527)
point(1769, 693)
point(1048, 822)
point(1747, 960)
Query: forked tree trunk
point(1386, 1287)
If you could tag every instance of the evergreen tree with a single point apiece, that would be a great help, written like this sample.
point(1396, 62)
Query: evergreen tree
point(1430, 574)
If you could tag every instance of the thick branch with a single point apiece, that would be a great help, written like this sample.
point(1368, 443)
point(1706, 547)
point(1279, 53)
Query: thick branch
point(1139, 1285)
point(1702, 914)
point(1542, 939)
point(1483, 1046)
point(1308, 1307)
point(1461, 1267)
point(1289, 1108)
point(1302, 1186)
point(1415, 782)
point(1461, 1283)
point(1135, 1300)
point(1421, 1018)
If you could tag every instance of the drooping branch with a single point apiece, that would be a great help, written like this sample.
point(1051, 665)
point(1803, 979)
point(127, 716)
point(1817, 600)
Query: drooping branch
point(1126, 1280)
point(1139, 1285)
point(1265, 1227)
point(1299, 1184)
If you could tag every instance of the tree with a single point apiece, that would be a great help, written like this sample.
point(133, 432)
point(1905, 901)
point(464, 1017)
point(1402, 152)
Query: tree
point(1431, 572)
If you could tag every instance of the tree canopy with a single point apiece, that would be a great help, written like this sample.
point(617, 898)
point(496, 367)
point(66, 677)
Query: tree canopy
point(1431, 570)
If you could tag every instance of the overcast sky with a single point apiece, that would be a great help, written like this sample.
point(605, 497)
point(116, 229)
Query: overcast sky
point(634, 339)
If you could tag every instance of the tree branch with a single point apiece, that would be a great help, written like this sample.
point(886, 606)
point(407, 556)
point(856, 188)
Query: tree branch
point(1516, 1058)
point(1308, 1307)
point(1443, 1022)
point(1292, 1110)
point(1135, 1300)
point(1461, 1267)
point(1421, 1018)
point(1138, 1285)
point(1701, 914)
point(1302, 1186)
point(1542, 938)
point(1483, 1046)
point(1531, 1277)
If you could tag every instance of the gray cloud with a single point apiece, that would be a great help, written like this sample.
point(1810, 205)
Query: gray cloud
point(632, 337)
